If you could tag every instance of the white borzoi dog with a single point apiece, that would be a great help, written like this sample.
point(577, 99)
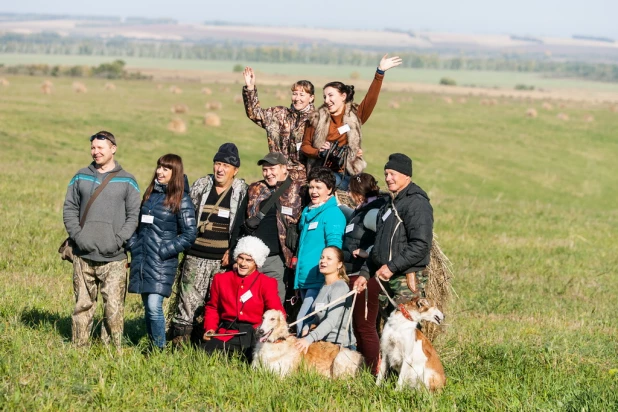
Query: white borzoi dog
point(276, 352)
point(404, 348)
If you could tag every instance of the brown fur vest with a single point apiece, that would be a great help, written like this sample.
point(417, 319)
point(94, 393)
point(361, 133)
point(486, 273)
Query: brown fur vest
point(320, 120)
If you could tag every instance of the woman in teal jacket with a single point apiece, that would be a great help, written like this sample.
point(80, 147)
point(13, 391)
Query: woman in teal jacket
point(321, 225)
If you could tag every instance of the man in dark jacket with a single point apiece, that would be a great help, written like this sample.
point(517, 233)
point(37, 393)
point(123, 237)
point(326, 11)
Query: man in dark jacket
point(100, 259)
point(404, 233)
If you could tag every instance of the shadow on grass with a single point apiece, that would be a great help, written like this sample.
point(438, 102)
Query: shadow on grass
point(35, 318)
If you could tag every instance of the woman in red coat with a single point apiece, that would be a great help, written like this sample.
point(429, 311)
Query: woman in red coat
point(238, 299)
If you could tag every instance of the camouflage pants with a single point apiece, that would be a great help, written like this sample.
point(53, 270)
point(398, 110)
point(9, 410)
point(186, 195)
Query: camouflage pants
point(88, 278)
point(397, 288)
point(195, 279)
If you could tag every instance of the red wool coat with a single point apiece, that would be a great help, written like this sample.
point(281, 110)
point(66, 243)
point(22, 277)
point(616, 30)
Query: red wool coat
point(225, 300)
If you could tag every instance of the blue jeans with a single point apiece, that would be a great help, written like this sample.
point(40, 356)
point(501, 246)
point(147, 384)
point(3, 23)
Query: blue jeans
point(342, 181)
point(155, 320)
point(308, 296)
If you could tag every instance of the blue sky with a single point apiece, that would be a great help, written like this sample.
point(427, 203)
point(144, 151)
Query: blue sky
point(533, 17)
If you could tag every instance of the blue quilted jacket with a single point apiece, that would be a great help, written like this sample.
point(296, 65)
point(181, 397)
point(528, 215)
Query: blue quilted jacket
point(155, 246)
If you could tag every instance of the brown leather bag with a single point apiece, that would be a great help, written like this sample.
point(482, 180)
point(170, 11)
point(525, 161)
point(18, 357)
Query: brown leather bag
point(66, 247)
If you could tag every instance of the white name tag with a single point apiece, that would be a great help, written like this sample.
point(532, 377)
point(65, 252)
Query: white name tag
point(224, 213)
point(319, 306)
point(246, 296)
point(344, 129)
point(313, 225)
point(298, 146)
point(386, 215)
point(147, 219)
point(286, 210)
point(349, 228)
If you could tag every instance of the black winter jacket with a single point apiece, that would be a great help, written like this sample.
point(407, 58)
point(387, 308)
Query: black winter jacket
point(358, 236)
point(404, 246)
point(155, 246)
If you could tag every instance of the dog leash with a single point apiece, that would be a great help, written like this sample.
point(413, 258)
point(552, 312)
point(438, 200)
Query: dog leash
point(353, 291)
point(386, 293)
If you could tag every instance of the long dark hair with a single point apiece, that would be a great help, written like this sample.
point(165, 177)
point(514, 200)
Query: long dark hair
point(176, 185)
point(348, 89)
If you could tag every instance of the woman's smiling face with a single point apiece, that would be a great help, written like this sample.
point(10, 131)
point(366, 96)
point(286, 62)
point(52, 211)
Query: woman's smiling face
point(329, 262)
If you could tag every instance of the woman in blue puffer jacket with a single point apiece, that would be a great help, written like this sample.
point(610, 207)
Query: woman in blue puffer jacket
point(167, 227)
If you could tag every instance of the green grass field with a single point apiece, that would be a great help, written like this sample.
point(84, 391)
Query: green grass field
point(503, 80)
point(525, 209)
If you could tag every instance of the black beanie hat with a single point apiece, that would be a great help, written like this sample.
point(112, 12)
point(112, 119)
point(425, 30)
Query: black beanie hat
point(228, 153)
point(400, 163)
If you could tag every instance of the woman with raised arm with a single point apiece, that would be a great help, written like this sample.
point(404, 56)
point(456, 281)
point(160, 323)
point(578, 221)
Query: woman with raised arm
point(167, 227)
point(333, 136)
point(285, 126)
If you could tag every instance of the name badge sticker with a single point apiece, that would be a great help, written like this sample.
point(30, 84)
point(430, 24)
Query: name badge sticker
point(147, 219)
point(224, 213)
point(246, 296)
point(319, 306)
point(286, 210)
point(349, 228)
point(313, 225)
point(344, 129)
point(386, 215)
point(298, 146)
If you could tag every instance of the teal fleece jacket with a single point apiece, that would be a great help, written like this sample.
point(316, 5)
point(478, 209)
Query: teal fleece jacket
point(112, 219)
point(319, 227)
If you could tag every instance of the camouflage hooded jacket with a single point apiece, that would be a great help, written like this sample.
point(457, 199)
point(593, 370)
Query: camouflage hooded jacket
point(285, 127)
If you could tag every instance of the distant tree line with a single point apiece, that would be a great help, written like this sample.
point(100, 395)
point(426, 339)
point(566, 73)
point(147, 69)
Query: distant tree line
point(48, 43)
point(113, 70)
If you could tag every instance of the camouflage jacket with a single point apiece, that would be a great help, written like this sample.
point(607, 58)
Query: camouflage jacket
point(201, 189)
point(285, 128)
point(291, 198)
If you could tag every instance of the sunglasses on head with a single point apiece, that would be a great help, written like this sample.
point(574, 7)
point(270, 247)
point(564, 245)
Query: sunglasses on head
point(99, 137)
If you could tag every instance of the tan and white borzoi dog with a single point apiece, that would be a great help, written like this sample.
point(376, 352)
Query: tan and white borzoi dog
point(405, 349)
point(276, 352)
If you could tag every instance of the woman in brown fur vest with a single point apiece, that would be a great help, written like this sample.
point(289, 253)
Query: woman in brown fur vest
point(338, 122)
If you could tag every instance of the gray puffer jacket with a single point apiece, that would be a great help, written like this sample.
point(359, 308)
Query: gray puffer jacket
point(404, 234)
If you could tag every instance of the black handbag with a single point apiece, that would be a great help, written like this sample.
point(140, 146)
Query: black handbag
point(251, 224)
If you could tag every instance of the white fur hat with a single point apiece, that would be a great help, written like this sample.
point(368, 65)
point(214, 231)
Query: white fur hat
point(254, 247)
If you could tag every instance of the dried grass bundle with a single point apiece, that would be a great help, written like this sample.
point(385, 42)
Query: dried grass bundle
point(563, 116)
point(214, 105)
point(175, 90)
point(462, 100)
point(110, 86)
point(238, 99)
point(548, 106)
point(79, 87)
point(224, 89)
point(531, 113)
point(180, 108)
point(4, 82)
point(448, 100)
point(588, 118)
point(206, 91)
point(177, 126)
point(393, 105)
point(212, 119)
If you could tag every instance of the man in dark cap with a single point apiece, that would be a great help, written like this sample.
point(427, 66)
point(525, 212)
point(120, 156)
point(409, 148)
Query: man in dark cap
point(274, 219)
point(218, 199)
point(404, 233)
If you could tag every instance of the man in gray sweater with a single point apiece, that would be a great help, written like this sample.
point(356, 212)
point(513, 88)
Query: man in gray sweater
point(99, 258)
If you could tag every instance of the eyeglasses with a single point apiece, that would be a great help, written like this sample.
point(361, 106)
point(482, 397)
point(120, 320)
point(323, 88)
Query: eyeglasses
point(99, 137)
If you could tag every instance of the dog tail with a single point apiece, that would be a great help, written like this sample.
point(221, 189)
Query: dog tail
point(347, 363)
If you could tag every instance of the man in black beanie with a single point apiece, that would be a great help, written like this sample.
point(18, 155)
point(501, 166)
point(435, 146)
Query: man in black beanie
point(218, 201)
point(404, 233)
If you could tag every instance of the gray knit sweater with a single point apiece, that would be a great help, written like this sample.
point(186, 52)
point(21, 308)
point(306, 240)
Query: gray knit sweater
point(331, 323)
point(112, 219)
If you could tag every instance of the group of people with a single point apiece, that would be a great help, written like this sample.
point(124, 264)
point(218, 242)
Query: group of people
point(283, 241)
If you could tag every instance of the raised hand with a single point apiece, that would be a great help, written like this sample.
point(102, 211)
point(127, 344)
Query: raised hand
point(389, 62)
point(249, 78)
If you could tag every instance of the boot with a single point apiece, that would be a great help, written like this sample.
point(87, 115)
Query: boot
point(181, 335)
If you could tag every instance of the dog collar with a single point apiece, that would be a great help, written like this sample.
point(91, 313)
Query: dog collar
point(405, 312)
point(281, 339)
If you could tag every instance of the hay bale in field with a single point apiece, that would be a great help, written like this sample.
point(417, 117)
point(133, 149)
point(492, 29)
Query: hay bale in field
point(531, 113)
point(79, 87)
point(438, 287)
point(563, 116)
point(46, 87)
point(613, 109)
point(206, 91)
point(548, 106)
point(562, 105)
point(110, 86)
point(493, 102)
point(180, 108)
point(484, 102)
point(4, 82)
point(462, 100)
point(175, 90)
point(224, 89)
point(393, 105)
point(238, 99)
point(177, 126)
point(159, 87)
point(214, 105)
point(212, 119)
point(448, 100)
point(588, 118)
